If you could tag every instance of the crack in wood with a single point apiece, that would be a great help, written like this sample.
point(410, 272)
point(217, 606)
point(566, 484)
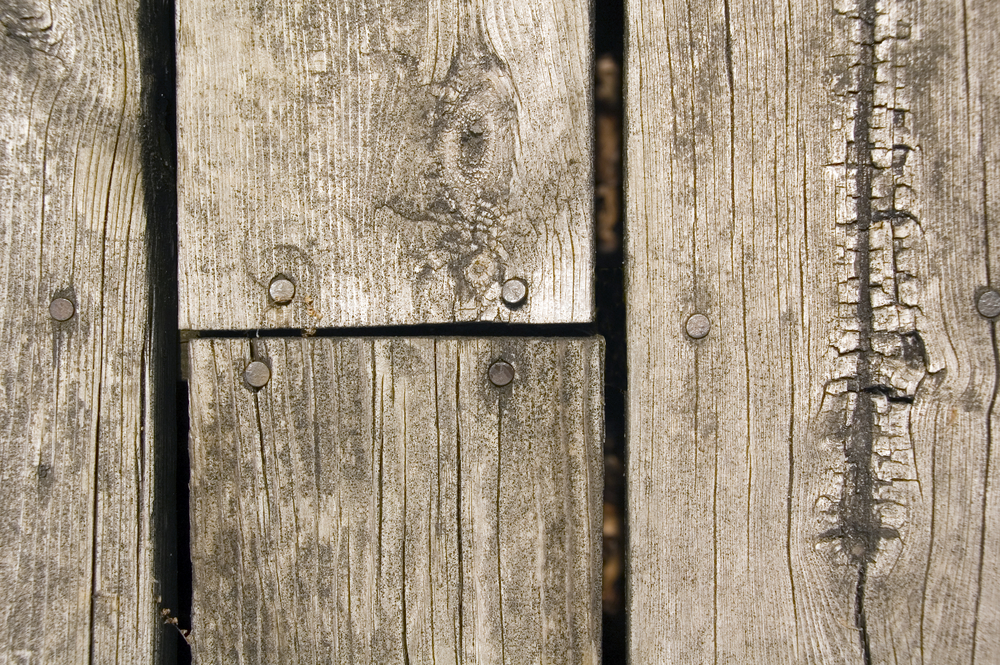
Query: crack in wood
point(878, 356)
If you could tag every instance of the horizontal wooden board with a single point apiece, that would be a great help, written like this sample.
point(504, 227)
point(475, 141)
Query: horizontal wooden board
point(815, 480)
point(397, 161)
point(380, 500)
point(77, 412)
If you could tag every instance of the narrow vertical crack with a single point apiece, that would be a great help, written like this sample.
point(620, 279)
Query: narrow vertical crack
point(857, 519)
point(255, 354)
point(503, 639)
point(95, 534)
point(858, 524)
point(860, 620)
point(986, 487)
point(436, 511)
point(730, 79)
point(402, 548)
point(458, 505)
point(378, 389)
point(996, 354)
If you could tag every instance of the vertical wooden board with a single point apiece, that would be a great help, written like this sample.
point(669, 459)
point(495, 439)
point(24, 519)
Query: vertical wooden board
point(397, 161)
point(808, 483)
point(951, 140)
point(723, 123)
point(983, 23)
point(380, 500)
point(77, 465)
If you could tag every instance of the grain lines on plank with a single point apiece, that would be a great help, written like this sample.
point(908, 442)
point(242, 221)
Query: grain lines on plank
point(398, 161)
point(379, 500)
point(77, 466)
point(809, 482)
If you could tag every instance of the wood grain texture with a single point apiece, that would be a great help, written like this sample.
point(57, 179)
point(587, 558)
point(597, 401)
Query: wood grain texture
point(816, 480)
point(77, 465)
point(381, 501)
point(396, 160)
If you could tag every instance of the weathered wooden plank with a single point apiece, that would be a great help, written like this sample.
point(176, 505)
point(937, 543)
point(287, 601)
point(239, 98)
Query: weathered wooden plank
point(982, 155)
point(814, 480)
point(380, 500)
point(397, 161)
point(954, 104)
point(77, 465)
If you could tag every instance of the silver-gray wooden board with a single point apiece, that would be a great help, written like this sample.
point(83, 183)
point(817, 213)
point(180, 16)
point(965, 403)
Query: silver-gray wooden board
point(816, 480)
point(397, 161)
point(380, 500)
point(76, 415)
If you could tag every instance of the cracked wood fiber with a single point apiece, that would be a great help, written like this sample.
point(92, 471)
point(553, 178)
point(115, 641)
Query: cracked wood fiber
point(77, 419)
point(816, 480)
point(396, 160)
point(379, 500)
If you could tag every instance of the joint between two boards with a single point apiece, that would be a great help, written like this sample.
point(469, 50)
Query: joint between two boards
point(476, 329)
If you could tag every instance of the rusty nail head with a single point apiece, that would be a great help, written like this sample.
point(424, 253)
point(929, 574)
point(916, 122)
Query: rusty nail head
point(281, 290)
point(698, 326)
point(988, 304)
point(501, 373)
point(515, 292)
point(62, 309)
point(257, 374)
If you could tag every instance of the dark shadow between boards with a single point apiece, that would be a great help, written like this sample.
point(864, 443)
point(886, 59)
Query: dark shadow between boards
point(169, 528)
point(170, 417)
point(609, 47)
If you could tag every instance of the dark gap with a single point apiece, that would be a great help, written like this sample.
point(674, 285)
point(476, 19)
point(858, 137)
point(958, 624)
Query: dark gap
point(860, 621)
point(471, 329)
point(859, 524)
point(609, 45)
point(172, 562)
point(185, 574)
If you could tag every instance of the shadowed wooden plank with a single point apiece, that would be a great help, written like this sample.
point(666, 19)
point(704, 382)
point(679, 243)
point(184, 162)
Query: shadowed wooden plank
point(380, 500)
point(77, 464)
point(813, 480)
point(397, 161)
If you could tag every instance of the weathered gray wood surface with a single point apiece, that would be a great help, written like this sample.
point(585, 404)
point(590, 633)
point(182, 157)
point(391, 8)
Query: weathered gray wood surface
point(397, 160)
point(381, 501)
point(816, 480)
point(76, 412)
